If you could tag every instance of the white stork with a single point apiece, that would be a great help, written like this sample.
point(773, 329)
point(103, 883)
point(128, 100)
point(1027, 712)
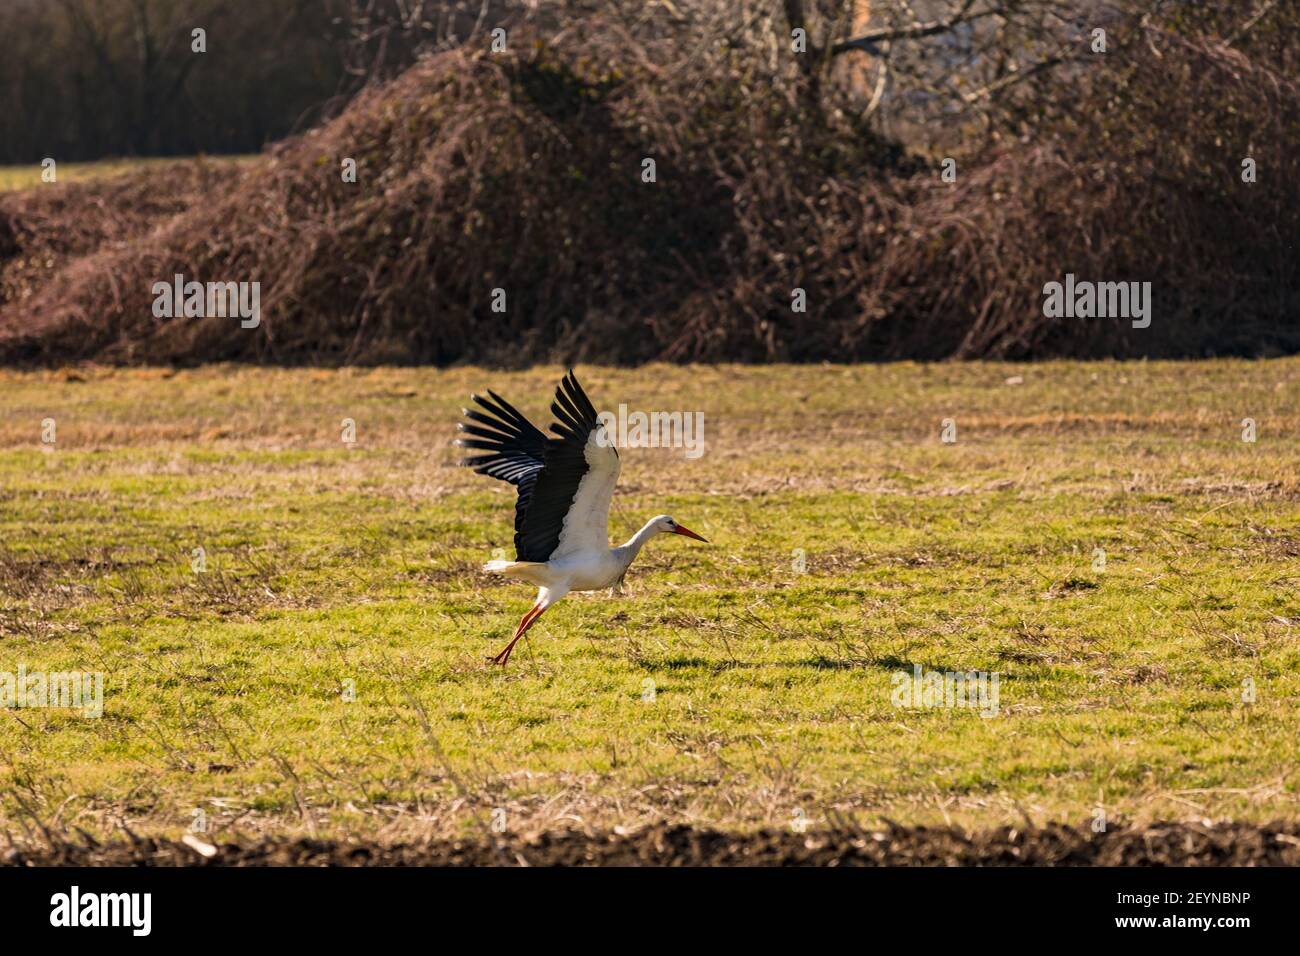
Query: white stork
point(565, 485)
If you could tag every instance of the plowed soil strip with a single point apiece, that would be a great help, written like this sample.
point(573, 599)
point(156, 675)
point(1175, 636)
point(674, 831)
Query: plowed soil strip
point(1160, 844)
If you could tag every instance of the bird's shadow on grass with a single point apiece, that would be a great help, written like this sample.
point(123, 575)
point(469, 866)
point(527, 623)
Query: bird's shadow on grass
point(889, 662)
point(684, 662)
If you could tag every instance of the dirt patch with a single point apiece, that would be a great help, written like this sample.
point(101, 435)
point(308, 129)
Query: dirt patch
point(1159, 844)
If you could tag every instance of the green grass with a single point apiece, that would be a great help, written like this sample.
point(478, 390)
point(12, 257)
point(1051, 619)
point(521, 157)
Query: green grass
point(29, 175)
point(1120, 688)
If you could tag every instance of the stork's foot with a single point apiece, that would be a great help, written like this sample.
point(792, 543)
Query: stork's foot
point(504, 656)
point(520, 631)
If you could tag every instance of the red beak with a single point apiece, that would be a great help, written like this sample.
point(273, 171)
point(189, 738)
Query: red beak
point(682, 529)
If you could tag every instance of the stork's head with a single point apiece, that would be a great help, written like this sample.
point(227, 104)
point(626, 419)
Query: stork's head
point(666, 525)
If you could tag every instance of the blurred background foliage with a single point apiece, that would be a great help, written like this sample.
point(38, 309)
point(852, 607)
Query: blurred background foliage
point(87, 79)
point(798, 145)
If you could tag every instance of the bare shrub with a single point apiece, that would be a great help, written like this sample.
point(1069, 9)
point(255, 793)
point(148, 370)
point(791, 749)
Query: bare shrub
point(521, 171)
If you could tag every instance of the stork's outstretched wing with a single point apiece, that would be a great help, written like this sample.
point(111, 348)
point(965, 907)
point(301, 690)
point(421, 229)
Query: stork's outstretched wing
point(565, 483)
point(517, 449)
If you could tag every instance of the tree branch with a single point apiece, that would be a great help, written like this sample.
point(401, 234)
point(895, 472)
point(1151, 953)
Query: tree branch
point(868, 41)
point(1249, 25)
point(1011, 79)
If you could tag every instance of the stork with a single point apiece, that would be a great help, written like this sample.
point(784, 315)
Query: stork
point(565, 485)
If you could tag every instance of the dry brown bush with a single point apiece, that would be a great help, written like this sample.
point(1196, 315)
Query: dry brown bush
point(521, 171)
point(41, 230)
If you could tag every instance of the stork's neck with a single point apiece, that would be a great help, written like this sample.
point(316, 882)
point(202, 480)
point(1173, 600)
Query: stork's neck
point(634, 544)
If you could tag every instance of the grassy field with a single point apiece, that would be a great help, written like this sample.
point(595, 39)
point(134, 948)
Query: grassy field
point(29, 176)
point(732, 685)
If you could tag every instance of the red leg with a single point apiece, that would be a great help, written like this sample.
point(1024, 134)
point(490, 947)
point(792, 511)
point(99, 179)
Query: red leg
point(524, 625)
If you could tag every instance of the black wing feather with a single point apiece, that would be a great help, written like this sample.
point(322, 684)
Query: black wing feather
point(517, 449)
point(547, 471)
